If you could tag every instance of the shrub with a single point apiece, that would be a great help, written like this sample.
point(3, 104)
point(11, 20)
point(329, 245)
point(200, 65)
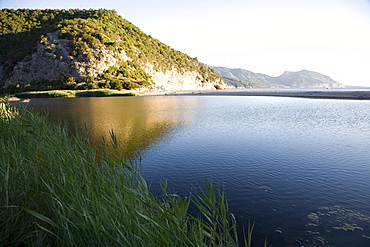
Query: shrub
point(92, 85)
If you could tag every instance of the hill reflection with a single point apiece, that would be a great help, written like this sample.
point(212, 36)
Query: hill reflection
point(138, 122)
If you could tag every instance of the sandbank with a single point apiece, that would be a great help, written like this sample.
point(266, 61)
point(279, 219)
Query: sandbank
point(320, 93)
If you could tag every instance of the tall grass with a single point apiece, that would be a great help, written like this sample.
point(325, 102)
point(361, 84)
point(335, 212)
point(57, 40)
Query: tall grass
point(57, 190)
point(103, 93)
point(7, 112)
point(46, 94)
point(73, 93)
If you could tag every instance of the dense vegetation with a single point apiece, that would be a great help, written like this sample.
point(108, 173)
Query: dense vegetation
point(90, 30)
point(21, 29)
point(57, 190)
point(73, 93)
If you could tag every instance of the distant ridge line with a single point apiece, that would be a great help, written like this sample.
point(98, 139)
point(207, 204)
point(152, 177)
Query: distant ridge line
point(289, 79)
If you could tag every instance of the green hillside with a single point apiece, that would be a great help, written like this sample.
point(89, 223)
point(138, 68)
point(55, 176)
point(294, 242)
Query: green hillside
point(89, 31)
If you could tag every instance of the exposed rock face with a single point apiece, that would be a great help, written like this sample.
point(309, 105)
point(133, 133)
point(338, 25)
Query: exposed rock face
point(44, 63)
point(53, 61)
point(181, 80)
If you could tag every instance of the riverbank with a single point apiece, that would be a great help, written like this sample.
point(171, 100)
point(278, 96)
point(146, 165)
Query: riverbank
point(300, 93)
point(70, 93)
point(320, 93)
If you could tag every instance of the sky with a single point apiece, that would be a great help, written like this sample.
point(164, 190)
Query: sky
point(331, 37)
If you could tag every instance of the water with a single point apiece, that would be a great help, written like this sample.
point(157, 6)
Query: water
point(298, 168)
point(335, 89)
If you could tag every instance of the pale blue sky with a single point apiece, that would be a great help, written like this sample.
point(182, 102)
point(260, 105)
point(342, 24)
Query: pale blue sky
point(331, 37)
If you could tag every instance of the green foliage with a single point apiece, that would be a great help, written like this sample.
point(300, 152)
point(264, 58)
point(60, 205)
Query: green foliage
point(21, 29)
point(45, 94)
point(58, 190)
point(72, 93)
point(102, 93)
point(129, 75)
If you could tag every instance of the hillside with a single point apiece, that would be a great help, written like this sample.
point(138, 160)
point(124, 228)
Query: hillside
point(243, 75)
point(240, 83)
point(43, 49)
point(305, 78)
point(300, 79)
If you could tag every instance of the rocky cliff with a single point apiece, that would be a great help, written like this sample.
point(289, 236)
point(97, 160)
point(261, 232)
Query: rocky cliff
point(95, 47)
point(52, 61)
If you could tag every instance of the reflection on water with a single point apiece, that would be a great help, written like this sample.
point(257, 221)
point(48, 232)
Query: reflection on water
point(138, 122)
point(299, 168)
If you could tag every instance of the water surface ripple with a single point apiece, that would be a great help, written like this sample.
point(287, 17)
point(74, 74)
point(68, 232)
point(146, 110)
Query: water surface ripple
point(280, 160)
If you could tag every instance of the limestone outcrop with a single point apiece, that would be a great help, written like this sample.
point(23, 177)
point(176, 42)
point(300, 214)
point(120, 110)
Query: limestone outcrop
point(53, 62)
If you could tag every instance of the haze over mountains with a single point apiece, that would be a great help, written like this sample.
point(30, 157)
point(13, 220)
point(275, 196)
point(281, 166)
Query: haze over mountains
point(300, 79)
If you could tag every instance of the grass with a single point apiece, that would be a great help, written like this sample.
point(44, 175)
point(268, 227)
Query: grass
point(103, 93)
point(46, 94)
point(73, 93)
point(58, 190)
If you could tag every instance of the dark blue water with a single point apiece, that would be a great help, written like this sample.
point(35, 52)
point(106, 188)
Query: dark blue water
point(298, 168)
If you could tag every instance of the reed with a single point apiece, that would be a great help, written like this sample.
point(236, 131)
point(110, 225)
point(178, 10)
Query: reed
point(6, 112)
point(103, 93)
point(74, 93)
point(46, 94)
point(58, 190)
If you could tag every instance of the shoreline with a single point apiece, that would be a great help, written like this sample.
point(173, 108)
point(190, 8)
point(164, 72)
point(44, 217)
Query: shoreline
point(319, 94)
point(295, 93)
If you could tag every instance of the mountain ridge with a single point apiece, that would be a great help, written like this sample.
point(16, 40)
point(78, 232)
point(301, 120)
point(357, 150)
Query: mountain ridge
point(298, 79)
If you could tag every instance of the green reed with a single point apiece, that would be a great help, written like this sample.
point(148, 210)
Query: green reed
point(74, 93)
point(46, 94)
point(58, 190)
point(103, 93)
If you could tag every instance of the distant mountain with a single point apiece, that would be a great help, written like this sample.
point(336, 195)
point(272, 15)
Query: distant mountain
point(240, 83)
point(300, 79)
point(243, 75)
point(305, 78)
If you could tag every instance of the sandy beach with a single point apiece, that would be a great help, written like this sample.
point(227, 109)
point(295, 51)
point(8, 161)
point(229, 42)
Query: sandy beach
point(320, 93)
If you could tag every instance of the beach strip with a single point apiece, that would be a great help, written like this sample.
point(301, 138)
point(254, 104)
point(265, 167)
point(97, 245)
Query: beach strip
point(320, 94)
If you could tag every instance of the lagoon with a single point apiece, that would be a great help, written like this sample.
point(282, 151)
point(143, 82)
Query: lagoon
point(299, 168)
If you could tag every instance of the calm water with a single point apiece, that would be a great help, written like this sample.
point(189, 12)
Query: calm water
point(298, 168)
